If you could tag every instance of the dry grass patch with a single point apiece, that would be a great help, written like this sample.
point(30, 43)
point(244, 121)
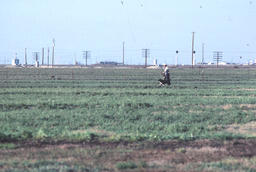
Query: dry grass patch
point(248, 129)
point(246, 162)
point(95, 130)
point(206, 149)
point(227, 107)
point(196, 111)
point(164, 112)
point(246, 89)
point(249, 106)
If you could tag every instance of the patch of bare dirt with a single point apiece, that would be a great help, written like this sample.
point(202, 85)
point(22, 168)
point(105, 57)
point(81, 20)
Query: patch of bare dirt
point(159, 155)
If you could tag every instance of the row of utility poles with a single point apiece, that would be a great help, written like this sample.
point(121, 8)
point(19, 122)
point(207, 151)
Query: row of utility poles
point(36, 55)
point(217, 55)
point(145, 54)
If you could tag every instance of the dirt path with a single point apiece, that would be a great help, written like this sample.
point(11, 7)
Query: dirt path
point(164, 156)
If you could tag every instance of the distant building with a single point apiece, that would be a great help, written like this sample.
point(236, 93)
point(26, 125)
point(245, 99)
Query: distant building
point(36, 63)
point(15, 62)
point(109, 63)
point(155, 62)
point(223, 63)
point(202, 63)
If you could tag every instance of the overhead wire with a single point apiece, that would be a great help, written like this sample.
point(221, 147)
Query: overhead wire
point(127, 14)
point(141, 4)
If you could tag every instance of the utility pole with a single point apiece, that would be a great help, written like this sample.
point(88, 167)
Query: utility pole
point(177, 54)
point(36, 58)
point(26, 57)
point(145, 54)
point(123, 52)
point(48, 56)
point(42, 56)
point(217, 56)
point(53, 46)
point(86, 55)
point(203, 53)
point(193, 51)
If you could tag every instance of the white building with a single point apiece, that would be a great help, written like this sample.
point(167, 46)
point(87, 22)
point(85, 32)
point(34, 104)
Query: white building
point(15, 62)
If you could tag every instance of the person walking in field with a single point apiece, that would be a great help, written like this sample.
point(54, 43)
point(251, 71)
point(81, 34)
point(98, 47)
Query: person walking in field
point(166, 77)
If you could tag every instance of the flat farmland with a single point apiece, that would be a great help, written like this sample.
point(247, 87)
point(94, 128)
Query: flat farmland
point(117, 119)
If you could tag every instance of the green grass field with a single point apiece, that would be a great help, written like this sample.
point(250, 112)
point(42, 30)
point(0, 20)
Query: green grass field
point(114, 104)
point(126, 105)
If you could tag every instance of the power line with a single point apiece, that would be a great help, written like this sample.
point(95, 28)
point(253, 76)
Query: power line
point(42, 56)
point(203, 53)
point(48, 57)
point(217, 56)
point(193, 51)
point(86, 55)
point(26, 57)
point(123, 52)
point(145, 54)
point(53, 41)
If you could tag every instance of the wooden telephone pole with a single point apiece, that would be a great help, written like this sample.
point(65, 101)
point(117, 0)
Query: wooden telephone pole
point(53, 41)
point(145, 54)
point(193, 51)
point(203, 53)
point(123, 52)
point(86, 55)
point(42, 56)
point(48, 57)
point(26, 63)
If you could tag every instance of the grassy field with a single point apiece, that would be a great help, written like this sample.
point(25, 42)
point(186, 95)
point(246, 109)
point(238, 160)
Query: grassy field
point(99, 111)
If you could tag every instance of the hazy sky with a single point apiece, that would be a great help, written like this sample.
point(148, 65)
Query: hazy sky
point(163, 26)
